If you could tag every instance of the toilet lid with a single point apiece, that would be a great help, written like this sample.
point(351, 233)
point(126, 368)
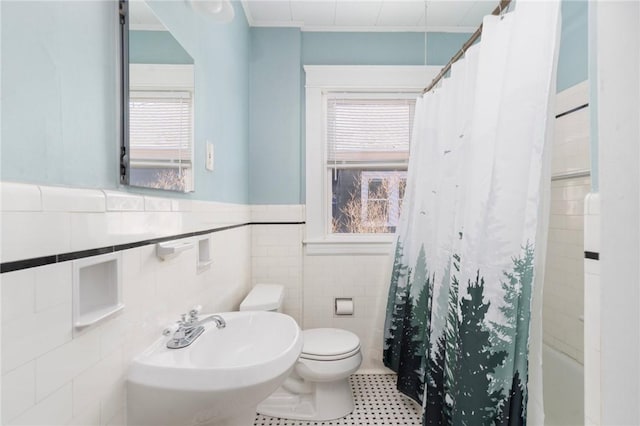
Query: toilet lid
point(329, 342)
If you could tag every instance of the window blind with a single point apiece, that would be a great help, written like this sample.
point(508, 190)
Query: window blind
point(161, 127)
point(369, 130)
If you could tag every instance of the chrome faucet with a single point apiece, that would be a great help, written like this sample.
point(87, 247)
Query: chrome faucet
point(190, 328)
point(220, 322)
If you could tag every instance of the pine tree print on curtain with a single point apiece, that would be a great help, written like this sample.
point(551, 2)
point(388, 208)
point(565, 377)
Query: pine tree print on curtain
point(408, 325)
point(509, 335)
point(475, 403)
point(394, 319)
point(465, 269)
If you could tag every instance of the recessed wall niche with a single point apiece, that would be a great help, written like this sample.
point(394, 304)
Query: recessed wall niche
point(204, 254)
point(97, 290)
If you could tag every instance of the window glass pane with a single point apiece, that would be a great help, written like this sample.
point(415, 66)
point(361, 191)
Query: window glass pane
point(160, 144)
point(172, 179)
point(366, 200)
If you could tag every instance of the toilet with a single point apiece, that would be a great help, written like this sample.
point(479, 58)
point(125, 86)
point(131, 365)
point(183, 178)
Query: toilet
point(317, 388)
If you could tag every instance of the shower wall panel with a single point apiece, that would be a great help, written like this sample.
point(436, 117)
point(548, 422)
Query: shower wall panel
point(563, 306)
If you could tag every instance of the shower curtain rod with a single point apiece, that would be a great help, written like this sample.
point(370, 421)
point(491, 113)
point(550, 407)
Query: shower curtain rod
point(502, 6)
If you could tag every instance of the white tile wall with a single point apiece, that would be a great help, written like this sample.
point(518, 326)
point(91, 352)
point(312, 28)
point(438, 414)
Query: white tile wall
point(313, 281)
point(40, 221)
point(57, 409)
point(563, 305)
point(571, 143)
point(29, 234)
point(276, 258)
point(278, 213)
point(361, 277)
point(49, 377)
point(19, 197)
point(59, 199)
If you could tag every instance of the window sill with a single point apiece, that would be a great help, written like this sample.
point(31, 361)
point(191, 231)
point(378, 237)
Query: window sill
point(351, 245)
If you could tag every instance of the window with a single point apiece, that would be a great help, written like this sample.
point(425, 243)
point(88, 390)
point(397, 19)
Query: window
point(160, 139)
point(358, 126)
point(367, 139)
point(161, 123)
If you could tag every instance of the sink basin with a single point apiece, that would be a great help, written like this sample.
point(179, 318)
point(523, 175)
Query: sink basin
point(217, 380)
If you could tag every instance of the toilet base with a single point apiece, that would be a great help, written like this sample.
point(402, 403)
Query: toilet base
point(324, 401)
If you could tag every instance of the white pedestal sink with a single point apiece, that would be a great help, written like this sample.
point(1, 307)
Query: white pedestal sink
point(217, 380)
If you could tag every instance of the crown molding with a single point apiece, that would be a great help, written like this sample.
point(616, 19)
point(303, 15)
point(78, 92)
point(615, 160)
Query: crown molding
point(362, 29)
point(247, 12)
point(386, 29)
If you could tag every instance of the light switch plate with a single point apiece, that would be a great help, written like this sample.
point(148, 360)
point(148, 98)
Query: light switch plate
point(209, 158)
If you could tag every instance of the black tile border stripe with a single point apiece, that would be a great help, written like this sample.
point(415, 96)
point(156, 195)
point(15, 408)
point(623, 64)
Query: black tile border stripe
point(278, 223)
point(28, 263)
point(64, 257)
point(572, 110)
point(592, 255)
point(84, 253)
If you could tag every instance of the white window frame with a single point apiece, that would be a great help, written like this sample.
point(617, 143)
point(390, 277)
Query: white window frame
point(320, 81)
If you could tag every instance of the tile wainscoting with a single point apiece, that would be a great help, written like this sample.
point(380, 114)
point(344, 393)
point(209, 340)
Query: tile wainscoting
point(276, 252)
point(51, 376)
point(563, 306)
point(313, 281)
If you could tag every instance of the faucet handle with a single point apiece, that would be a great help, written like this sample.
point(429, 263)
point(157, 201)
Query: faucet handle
point(170, 329)
point(193, 313)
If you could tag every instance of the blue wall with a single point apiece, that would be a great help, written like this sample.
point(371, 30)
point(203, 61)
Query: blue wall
point(59, 79)
point(156, 47)
point(59, 93)
point(274, 157)
point(221, 55)
point(350, 48)
point(593, 99)
point(574, 50)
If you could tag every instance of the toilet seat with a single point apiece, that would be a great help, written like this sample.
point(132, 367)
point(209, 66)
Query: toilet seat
point(328, 371)
point(330, 357)
point(329, 344)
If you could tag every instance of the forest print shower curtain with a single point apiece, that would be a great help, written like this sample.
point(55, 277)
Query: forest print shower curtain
point(471, 239)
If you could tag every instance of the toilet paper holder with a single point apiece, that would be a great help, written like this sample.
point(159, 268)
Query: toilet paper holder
point(343, 306)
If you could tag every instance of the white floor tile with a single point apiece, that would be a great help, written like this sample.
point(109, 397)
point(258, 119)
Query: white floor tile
point(377, 403)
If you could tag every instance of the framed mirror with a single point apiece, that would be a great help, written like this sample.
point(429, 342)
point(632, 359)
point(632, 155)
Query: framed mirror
point(157, 94)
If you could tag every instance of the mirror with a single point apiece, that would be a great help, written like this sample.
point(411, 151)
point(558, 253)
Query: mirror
point(158, 103)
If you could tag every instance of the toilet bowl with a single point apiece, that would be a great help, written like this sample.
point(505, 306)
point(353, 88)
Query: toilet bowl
point(318, 388)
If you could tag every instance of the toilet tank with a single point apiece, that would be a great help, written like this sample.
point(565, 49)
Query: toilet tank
point(264, 297)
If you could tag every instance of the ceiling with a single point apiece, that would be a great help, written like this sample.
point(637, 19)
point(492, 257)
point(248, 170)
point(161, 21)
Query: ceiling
point(369, 15)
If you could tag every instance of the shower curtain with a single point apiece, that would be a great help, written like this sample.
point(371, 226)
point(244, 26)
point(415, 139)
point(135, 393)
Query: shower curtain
point(467, 261)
